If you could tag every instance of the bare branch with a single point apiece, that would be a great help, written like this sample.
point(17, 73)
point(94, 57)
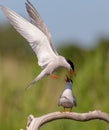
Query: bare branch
point(36, 123)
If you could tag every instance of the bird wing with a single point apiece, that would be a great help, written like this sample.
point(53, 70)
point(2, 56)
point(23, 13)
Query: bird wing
point(36, 38)
point(75, 101)
point(38, 22)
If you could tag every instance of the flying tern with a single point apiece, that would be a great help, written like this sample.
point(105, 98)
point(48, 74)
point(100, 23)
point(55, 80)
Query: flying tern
point(67, 99)
point(39, 38)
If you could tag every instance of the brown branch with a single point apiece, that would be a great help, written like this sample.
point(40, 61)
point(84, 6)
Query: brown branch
point(36, 123)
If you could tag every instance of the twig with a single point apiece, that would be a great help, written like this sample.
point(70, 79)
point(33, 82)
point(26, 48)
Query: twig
point(36, 123)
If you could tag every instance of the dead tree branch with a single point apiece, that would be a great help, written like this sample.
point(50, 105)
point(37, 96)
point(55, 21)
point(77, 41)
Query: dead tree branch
point(36, 123)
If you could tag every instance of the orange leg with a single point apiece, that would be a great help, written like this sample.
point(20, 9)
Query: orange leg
point(64, 110)
point(54, 76)
point(71, 109)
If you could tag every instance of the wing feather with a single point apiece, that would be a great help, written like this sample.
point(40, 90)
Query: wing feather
point(37, 21)
point(36, 38)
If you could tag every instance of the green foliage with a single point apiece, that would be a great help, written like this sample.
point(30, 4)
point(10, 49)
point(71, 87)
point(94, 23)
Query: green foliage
point(18, 66)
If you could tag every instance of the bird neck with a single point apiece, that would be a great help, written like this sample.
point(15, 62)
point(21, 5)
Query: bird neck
point(68, 86)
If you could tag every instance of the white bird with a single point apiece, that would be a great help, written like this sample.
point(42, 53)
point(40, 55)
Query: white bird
point(39, 38)
point(67, 99)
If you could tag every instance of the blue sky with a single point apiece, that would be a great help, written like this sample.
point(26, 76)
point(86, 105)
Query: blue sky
point(83, 21)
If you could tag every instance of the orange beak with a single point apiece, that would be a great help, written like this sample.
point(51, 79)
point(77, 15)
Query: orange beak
point(67, 79)
point(72, 73)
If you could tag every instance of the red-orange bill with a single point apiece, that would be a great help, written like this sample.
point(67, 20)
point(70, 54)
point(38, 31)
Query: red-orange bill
point(54, 76)
point(72, 73)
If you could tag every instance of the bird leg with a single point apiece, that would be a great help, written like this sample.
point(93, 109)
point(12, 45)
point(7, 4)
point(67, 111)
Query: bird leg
point(70, 109)
point(64, 110)
point(54, 76)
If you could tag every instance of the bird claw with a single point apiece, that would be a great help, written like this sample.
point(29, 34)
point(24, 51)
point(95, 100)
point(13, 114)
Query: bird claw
point(66, 110)
point(54, 76)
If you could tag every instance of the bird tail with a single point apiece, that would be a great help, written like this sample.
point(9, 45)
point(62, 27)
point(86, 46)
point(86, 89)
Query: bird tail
point(40, 76)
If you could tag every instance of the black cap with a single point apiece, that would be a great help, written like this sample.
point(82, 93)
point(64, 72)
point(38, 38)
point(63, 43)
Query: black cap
point(71, 64)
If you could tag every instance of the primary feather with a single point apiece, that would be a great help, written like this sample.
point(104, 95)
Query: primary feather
point(39, 38)
point(38, 22)
point(36, 38)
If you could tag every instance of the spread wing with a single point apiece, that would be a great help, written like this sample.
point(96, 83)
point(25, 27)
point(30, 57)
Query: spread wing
point(36, 38)
point(38, 22)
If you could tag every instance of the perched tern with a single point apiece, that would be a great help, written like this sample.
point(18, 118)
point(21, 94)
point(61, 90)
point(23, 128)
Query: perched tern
point(67, 99)
point(39, 38)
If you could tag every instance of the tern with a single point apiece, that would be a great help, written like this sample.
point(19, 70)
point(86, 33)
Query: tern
point(67, 99)
point(39, 38)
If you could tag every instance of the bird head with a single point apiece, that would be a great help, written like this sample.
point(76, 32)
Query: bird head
point(72, 70)
point(69, 83)
point(68, 79)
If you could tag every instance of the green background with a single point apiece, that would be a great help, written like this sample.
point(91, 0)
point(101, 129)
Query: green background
point(18, 67)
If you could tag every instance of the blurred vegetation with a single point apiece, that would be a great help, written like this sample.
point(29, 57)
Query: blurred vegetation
point(18, 67)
